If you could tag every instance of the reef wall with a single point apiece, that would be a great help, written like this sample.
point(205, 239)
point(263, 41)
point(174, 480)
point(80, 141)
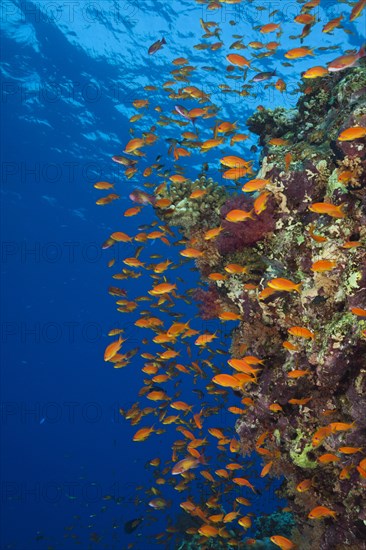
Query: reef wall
point(306, 415)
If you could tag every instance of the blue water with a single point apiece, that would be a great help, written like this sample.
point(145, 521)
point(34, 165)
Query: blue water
point(70, 71)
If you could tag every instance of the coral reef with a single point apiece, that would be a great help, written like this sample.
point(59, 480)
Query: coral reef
point(188, 213)
point(282, 523)
point(313, 346)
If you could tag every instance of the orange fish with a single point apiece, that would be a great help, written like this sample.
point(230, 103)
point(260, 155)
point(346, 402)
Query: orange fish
point(299, 401)
point(266, 469)
point(238, 60)
point(234, 162)
point(236, 216)
point(357, 9)
point(275, 407)
point(236, 410)
point(139, 103)
point(321, 434)
point(283, 542)
point(235, 173)
point(301, 332)
point(217, 277)
point(216, 518)
point(327, 458)
point(265, 293)
point(298, 373)
point(119, 236)
point(234, 446)
point(191, 253)
point(212, 233)
point(288, 345)
point(134, 144)
point(304, 485)
point(355, 132)
point(260, 203)
point(204, 339)
point(210, 143)
point(245, 522)
point(269, 27)
point(358, 311)
point(186, 464)
point(278, 141)
point(297, 53)
point(323, 265)
point(328, 208)
point(305, 19)
point(242, 482)
point(163, 203)
point(315, 72)
point(132, 211)
point(341, 426)
point(345, 61)
point(284, 285)
point(143, 434)
point(198, 193)
point(255, 185)
point(316, 238)
point(242, 366)
point(280, 85)
point(113, 349)
point(208, 531)
point(350, 450)
point(181, 406)
point(226, 380)
point(103, 185)
point(333, 24)
point(226, 127)
point(163, 288)
point(177, 178)
point(231, 516)
point(346, 472)
point(106, 200)
point(229, 316)
point(235, 268)
point(320, 512)
point(243, 501)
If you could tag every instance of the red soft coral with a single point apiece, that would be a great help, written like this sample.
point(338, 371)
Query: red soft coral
point(237, 235)
point(209, 302)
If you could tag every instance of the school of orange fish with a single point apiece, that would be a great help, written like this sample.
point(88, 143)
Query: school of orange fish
point(212, 519)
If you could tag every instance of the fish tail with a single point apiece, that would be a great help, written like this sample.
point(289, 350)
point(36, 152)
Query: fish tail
point(362, 52)
point(341, 209)
point(163, 41)
point(298, 288)
point(202, 459)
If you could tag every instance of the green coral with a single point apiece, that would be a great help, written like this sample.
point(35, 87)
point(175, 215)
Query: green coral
point(333, 184)
point(299, 452)
point(352, 83)
point(185, 212)
point(340, 328)
point(276, 122)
